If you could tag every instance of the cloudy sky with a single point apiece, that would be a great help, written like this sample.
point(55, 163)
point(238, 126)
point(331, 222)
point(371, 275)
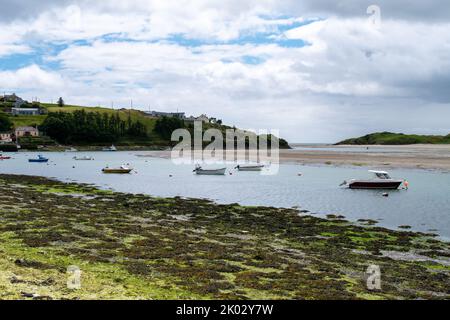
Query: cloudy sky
point(319, 71)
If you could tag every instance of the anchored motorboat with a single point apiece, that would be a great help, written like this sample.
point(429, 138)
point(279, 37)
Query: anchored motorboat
point(381, 180)
point(71, 150)
point(83, 158)
point(247, 167)
point(39, 159)
point(209, 172)
point(112, 148)
point(120, 170)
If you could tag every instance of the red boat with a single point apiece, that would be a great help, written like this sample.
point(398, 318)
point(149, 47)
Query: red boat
point(4, 158)
point(382, 180)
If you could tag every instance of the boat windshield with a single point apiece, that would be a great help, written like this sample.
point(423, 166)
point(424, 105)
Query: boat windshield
point(381, 175)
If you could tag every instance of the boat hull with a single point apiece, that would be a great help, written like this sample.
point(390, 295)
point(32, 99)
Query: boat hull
point(216, 172)
point(38, 160)
point(250, 168)
point(117, 171)
point(386, 185)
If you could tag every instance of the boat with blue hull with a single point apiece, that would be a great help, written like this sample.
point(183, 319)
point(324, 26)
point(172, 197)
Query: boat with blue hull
point(39, 159)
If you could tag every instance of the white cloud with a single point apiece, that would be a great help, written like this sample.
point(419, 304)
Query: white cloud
point(31, 78)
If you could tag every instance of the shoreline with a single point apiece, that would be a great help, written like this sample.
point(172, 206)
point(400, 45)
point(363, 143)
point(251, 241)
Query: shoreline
point(140, 247)
point(427, 157)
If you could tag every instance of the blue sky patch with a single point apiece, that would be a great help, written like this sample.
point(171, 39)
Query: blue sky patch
point(43, 55)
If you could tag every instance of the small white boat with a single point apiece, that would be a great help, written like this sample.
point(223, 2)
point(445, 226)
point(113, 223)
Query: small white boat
point(87, 158)
point(209, 172)
point(246, 167)
point(71, 150)
point(112, 148)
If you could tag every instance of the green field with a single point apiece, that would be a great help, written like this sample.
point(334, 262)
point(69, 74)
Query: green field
point(389, 138)
point(153, 138)
point(124, 114)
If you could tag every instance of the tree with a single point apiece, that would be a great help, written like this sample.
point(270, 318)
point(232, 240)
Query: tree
point(5, 122)
point(60, 102)
point(165, 126)
point(90, 127)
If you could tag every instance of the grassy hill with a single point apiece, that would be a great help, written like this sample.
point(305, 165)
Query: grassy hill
point(152, 139)
point(389, 138)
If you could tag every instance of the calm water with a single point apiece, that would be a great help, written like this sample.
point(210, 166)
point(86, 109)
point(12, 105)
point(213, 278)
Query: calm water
point(425, 206)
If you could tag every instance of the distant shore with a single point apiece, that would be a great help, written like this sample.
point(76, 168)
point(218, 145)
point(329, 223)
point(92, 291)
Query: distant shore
point(430, 157)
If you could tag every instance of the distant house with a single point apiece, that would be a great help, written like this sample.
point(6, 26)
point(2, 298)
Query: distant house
point(25, 111)
point(13, 100)
point(6, 137)
point(158, 114)
point(203, 118)
point(10, 98)
point(26, 132)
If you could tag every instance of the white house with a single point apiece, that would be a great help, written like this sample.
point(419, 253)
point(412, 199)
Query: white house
point(6, 137)
point(159, 114)
point(25, 111)
point(203, 118)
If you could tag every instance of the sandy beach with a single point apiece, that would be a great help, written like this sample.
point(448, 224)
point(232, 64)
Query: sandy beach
point(407, 156)
point(431, 157)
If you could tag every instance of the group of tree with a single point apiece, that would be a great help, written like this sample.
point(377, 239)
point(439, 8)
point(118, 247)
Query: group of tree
point(5, 122)
point(166, 125)
point(91, 127)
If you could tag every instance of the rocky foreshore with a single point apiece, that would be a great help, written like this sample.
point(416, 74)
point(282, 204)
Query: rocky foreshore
point(140, 247)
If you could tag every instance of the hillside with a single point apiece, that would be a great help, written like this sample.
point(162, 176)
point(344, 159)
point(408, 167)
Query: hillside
point(152, 137)
point(389, 138)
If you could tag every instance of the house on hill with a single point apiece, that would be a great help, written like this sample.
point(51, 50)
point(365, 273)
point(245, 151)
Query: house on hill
point(14, 99)
point(27, 111)
point(6, 137)
point(26, 132)
point(203, 118)
point(158, 114)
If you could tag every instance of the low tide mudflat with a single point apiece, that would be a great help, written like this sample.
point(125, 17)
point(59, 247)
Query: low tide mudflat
point(141, 247)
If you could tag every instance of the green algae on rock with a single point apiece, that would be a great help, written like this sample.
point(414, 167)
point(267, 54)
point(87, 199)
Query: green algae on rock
point(141, 247)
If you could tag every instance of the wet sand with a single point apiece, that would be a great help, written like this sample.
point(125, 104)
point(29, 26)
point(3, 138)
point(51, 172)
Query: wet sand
point(431, 157)
point(408, 156)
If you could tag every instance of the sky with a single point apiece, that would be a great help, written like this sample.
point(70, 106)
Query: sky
point(316, 70)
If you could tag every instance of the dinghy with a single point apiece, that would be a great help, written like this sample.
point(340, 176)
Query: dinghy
point(86, 158)
point(120, 170)
point(209, 172)
point(257, 167)
point(112, 148)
